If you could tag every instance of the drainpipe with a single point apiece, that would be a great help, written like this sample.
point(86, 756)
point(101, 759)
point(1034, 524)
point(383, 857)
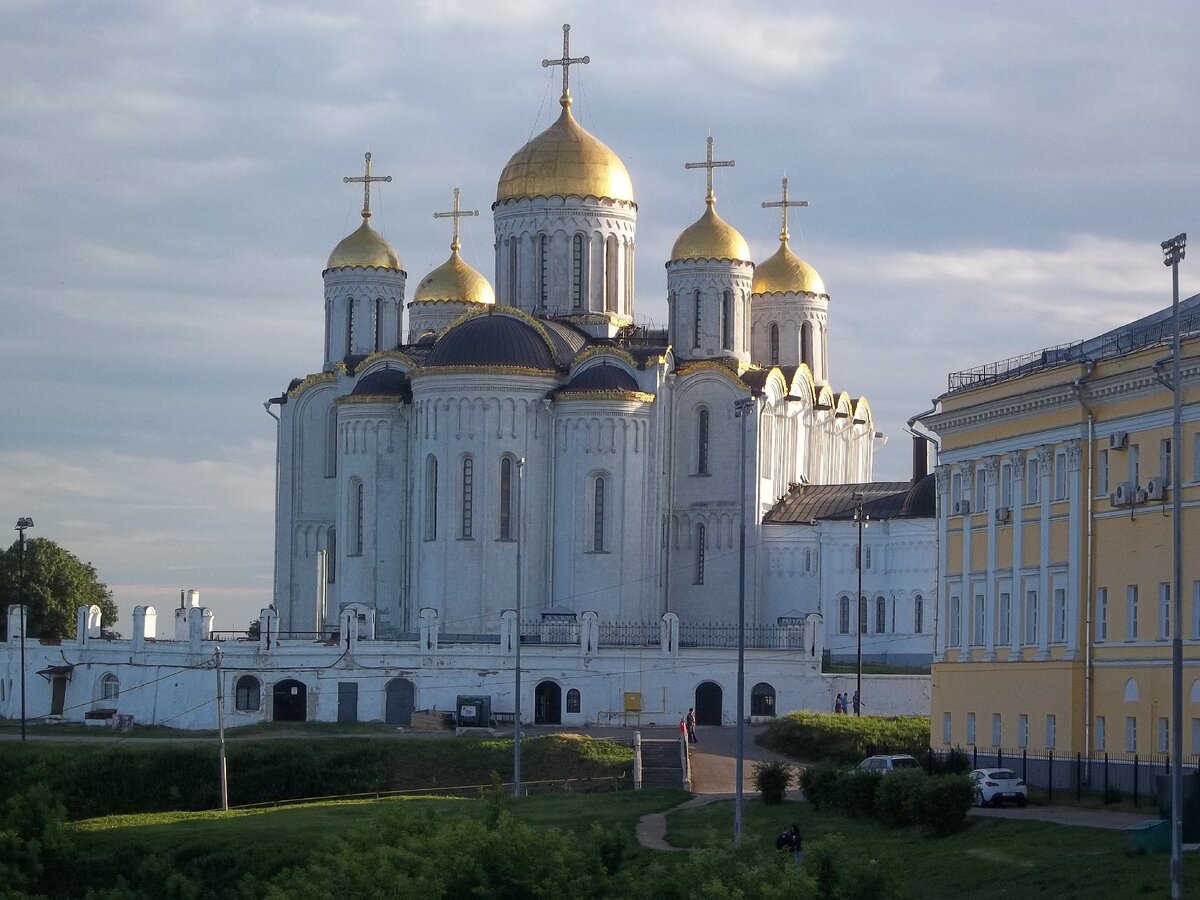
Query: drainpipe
point(937, 530)
point(1081, 396)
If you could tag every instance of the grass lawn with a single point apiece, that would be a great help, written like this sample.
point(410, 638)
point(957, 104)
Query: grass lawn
point(991, 858)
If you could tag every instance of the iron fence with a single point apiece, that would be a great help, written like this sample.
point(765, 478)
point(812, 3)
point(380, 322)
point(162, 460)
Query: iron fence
point(757, 636)
point(630, 634)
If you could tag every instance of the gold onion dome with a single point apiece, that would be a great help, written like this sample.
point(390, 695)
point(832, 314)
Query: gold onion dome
point(364, 247)
point(786, 273)
point(710, 237)
point(564, 161)
point(455, 280)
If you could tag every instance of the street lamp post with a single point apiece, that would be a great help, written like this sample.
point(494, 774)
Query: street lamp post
point(860, 519)
point(741, 410)
point(517, 679)
point(23, 523)
point(1173, 252)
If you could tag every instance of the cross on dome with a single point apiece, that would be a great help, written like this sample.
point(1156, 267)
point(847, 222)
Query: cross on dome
point(710, 164)
point(566, 62)
point(366, 180)
point(784, 204)
point(456, 213)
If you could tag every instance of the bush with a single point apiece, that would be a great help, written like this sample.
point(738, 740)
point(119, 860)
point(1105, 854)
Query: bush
point(840, 876)
point(847, 739)
point(956, 762)
point(856, 790)
point(899, 796)
point(943, 803)
point(820, 784)
point(771, 779)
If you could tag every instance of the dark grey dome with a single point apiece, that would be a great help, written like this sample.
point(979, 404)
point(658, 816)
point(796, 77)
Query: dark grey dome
point(492, 340)
point(384, 383)
point(602, 378)
point(921, 499)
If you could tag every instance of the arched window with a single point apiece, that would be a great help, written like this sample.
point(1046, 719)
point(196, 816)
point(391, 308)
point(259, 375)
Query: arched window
point(598, 516)
point(727, 320)
point(331, 557)
point(577, 271)
point(702, 443)
point(611, 274)
point(573, 700)
point(762, 700)
point(378, 323)
point(468, 497)
point(699, 554)
point(357, 521)
point(543, 270)
point(110, 687)
point(844, 615)
point(919, 615)
point(331, 442)
point(431, 497)
point(512, 271)
point(862, 615)
point(880, 615)
point(349, 325)
point(247, 694)
point(806, 344)
point(506, 498)
point(696, 335)
point(774, 344)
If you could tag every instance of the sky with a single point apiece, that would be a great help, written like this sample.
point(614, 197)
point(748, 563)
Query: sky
point(984, 180)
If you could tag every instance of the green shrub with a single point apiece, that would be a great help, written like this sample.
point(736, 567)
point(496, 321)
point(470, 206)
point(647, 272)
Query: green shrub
point(842, 738)
point(899, 796)
point(943, 803)
point(771, 779)
point(956, 762)
point(820, 784)
point(856, 791)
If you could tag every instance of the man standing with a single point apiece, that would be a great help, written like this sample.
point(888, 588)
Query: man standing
point(691, 724)
point(791, 840)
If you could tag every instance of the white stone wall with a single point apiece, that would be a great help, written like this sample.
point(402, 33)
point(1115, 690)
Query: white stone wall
point(712, 278)
point(377, 296)
point(789, 313)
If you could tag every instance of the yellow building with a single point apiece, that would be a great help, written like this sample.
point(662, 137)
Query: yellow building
point(1055, 546)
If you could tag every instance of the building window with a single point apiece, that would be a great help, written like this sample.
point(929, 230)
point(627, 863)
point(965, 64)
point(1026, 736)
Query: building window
point(919, 615)
point(1022, 730)
point(1102, 473)
point(1131, 734)
point(610, 274)
point(359, 502)
point(947, 734)
point(862, 615)
point(1033, 480)
point(1196, 736)
point(880, 615)
point(331, 557)
point(954, 637)
point(512, 271)
point(699, 554)
point(1196, 456)
point(331, 442)
point(1134, 463)
point(1051, 727)
point(1196, 610)
point(808, 559)
point(1164, 734)
point(1164, 460)
point(1031, 618)
point(598, 516)
point(1131, 612)
point(1060, 475)
point(577, 271)
point(955, 489)
point(543, 270)
point(1164, 611)
point(1060, 615)
point(774, 344)
point(349, 325)
point(844, 615)
point(506, 499)
point(997, 733)
point(431, 492)
point(970, 729)
point(696, 328)
point(378, 323)
point(867, 558)
point(573, 700)
point(806, 345)
point(978, 612)
point(980, 490)
point(702, 442)
point(1102, 614)
point(1006, 485)
point(468, 498)
point(727, 320)
point(110, 687)
point(1100, 735)
point(247, 694)
point(1005, 618)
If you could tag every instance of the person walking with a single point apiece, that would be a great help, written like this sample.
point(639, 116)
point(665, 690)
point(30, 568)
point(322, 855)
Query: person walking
point(691, 725)
point(790, 840)
point(856, 703)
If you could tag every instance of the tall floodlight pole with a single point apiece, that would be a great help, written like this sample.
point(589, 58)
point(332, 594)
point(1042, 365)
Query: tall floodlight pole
point(1173, 251)
point(860, 518)
point(517, 684)
point(741, 410)
point(22, 524)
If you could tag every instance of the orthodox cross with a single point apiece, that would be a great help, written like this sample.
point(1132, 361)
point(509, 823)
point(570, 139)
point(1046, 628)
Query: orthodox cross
point(366, 180)
point(566, 62)
point(456, 213)
point(784, 204)
point(710, 164)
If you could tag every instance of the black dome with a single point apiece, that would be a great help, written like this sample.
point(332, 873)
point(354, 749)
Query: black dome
point(492, 340)
point(602, 378)
point(384, 383)
point(921, 499)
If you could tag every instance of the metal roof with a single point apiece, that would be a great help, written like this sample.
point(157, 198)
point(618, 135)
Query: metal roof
point(881, 500)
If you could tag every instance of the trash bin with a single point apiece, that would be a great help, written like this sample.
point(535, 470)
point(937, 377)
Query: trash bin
point(473, 712)
point(124, 722)
point(1191, 804)
point(1151, 836)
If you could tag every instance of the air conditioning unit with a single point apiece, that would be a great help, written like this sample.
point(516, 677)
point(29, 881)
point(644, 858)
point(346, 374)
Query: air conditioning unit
point(1123, 495)
point(1140, 496)
point(1118, 440)
point(1003, 514)
point(1156, 488)
point(962, 508)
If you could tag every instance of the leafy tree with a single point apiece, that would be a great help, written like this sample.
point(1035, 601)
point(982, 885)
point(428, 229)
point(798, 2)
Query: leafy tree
point(57, 583)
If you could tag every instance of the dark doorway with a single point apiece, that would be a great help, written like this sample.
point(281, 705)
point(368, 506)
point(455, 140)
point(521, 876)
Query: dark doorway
point(58, 694)
point(708, 703)
point(400, 702)
point(347, 701)
point(547, 704)
point(762, 700)
point(290, 701)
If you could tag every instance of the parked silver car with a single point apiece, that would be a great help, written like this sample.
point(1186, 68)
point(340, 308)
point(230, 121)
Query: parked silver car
point(994, 786)
point(895, 762)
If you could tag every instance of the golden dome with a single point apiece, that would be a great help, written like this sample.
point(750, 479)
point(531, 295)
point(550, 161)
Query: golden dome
point(710, 237)
point(454, 280)
point(364, 247)
point(786, 273)
point(564, 161)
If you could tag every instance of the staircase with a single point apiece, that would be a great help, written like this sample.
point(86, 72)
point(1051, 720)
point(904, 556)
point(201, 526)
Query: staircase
point(661, 764)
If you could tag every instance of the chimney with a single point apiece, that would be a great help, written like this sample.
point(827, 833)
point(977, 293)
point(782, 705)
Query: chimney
point(920, 457)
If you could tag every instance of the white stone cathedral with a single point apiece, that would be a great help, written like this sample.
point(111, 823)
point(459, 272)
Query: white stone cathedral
point(530, 448)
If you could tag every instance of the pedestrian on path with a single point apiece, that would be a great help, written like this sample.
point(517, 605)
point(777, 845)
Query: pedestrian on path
point(683, 727)
point(691, 725)
point(857, 703)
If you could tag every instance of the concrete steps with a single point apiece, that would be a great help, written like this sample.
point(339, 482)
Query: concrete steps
point(661, 764)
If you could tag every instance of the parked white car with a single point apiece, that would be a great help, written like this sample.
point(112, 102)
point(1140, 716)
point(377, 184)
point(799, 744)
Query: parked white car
point(896, 762)
point(994, 786)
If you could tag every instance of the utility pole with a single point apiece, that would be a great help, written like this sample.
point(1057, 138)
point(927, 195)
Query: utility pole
point(22, 523)
point(860, 518)
point(741, 410)
point(221, 732)
point(517, 685)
